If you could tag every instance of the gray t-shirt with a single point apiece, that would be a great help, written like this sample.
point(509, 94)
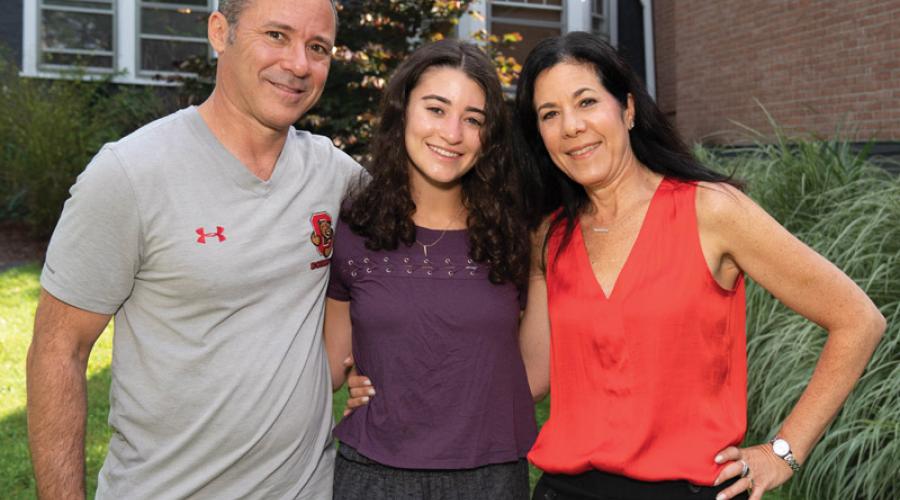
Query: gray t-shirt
point(220, 386)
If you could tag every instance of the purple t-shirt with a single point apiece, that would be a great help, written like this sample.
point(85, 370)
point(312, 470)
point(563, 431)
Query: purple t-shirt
point(440, 344)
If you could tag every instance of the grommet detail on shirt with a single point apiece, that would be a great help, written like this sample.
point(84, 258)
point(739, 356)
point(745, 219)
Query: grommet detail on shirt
point(365, 260)
point(469, 261)
point(450, 272)
point(447, 260)
point(368, 270)
point(385, 259)
point(350, 262)
point(388, 269)
point(408, 270)
point(353, 273)
point(428, 272)
point(406, 260)
point(426, 261)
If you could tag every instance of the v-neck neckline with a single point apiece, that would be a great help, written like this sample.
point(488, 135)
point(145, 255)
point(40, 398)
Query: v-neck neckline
point(239, 173)
point(586, 256)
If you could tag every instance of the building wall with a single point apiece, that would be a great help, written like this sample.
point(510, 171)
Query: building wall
point(814, 65)
point(11, 27)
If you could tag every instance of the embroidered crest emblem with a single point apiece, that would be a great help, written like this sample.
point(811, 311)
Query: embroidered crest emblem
point(323, 234)
point(202, 234)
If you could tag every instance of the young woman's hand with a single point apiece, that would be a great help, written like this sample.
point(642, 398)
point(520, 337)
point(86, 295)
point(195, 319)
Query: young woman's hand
point(358, 386)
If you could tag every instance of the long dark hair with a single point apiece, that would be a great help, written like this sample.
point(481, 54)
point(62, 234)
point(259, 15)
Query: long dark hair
point(491, 191)
point(654, 141)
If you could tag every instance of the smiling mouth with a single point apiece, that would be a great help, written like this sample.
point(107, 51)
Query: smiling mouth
point(285, 88)
point(446, 153)
point(583, 151)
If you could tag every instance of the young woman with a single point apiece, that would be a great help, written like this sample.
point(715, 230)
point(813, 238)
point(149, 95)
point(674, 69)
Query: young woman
point(427, 287)
point(641, 257)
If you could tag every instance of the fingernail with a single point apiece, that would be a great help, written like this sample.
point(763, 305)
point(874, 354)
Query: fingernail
point(371, 392)
point(365, 399)
point(719, 460)
point(367, 382)
point(721, 496)
point(716, 483)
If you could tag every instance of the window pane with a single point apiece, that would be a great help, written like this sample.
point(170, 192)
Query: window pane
point(552, 16)
point(77, 60)
point(530, 37)
point(95, 4)
point(182, 22)
point(202, 3)
point(75, 30)
point(164, 55)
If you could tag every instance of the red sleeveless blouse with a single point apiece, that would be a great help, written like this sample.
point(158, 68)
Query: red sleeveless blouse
point(650, 382)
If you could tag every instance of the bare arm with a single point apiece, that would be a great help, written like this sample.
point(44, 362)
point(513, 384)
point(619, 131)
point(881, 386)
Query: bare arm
point(57, 395)
point(338, 332)
point(534, 329)
point(738, 235)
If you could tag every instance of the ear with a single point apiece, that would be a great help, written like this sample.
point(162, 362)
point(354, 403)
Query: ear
point(629, 109)
point(217, 31)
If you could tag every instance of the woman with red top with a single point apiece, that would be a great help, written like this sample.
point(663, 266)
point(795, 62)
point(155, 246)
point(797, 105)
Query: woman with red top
point(639, 267)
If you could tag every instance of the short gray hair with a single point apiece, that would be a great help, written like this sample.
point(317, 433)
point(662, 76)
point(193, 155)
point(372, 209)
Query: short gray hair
point(232, 10)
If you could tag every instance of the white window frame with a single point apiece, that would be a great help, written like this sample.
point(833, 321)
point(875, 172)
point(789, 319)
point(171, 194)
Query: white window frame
point(577, 16)
point(126, 47)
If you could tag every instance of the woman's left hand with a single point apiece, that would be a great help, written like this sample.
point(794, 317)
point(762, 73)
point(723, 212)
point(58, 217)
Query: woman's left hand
point(765, 471)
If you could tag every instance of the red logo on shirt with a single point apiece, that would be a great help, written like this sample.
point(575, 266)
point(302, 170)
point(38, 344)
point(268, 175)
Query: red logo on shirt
point(323, 234)
point(202, 234)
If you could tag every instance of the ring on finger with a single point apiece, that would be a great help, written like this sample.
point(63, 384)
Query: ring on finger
point(745, 469)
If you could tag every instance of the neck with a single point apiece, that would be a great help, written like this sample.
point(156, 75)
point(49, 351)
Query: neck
point(633, 184)
point(437, 207)
point(256, 145)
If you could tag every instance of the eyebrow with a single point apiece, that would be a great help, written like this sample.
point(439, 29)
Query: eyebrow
point(447, 102)
point(577, 93)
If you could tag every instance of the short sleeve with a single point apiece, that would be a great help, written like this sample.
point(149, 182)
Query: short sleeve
point(94, 253)
point(338, 287)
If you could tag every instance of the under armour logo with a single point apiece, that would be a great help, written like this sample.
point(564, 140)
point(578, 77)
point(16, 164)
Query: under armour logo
point(202, 234)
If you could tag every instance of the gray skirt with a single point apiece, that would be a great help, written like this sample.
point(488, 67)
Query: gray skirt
point(359, 478)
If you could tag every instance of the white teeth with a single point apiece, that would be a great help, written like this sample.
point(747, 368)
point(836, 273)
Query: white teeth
point(584, 150)
point(443, 152)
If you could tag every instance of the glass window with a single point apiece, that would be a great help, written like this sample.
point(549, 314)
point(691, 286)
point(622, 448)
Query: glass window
point(77, 33)
point(533, 19)
point(172, 32)
point(600, 17)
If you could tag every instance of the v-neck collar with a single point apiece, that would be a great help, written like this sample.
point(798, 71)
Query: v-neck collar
point(586, 256)
point(234, 168)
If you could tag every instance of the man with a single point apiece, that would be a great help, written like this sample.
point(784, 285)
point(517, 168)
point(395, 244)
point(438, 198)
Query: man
point(195, 231)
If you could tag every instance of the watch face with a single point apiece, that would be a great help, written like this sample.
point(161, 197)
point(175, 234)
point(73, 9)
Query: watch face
point(781, 447)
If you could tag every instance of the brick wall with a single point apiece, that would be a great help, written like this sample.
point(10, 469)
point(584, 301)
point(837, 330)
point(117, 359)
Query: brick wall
point(814, 65)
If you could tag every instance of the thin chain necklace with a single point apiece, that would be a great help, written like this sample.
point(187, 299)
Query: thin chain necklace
point(441, 236)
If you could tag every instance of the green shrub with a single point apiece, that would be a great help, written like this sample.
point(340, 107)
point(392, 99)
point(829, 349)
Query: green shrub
point(50, 129)
point(848, 210)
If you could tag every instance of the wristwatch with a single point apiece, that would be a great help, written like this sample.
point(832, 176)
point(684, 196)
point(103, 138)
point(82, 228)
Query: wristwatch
point(782, 450)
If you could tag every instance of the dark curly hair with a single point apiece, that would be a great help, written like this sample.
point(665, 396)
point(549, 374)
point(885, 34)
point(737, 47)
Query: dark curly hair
point(381, 211)
point(654, 140)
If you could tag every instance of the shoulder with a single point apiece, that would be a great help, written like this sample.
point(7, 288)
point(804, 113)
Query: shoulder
point(322, 149)
point(720, 203)
point(156, 134)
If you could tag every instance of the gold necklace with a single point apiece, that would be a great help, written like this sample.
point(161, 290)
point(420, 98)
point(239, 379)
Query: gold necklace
point(439, 238)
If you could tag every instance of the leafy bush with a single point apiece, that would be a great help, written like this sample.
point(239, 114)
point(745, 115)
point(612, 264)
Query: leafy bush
point(848, 210)
point(50, 129)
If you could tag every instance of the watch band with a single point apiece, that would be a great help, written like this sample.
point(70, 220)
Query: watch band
point(788, 455)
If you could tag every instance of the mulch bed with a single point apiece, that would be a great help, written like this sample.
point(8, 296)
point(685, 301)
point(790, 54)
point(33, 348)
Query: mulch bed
point(18, 247)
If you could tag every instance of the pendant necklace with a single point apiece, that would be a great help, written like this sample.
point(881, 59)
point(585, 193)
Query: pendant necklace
point(439, 238)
